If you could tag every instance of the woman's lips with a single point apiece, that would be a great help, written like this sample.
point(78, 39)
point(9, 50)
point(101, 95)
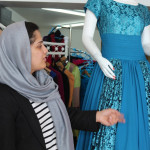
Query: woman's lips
point(44, 59)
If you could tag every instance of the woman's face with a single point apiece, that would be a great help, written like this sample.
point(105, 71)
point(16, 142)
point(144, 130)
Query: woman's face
point(38, 53)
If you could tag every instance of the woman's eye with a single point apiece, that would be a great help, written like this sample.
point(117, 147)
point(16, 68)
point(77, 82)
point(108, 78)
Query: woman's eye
point(39, 46)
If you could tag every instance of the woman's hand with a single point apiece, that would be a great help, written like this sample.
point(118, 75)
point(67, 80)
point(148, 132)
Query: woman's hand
point(106, 67)
point(109, 117)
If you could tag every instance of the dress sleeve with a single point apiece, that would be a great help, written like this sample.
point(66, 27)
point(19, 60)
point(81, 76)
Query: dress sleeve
point(94, 6)
point(147, 17)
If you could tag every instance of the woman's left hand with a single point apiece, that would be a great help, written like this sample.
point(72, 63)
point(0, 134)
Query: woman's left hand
point(109, 117)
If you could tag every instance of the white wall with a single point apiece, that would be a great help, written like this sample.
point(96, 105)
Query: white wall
point(144, 2)
point(15, 16)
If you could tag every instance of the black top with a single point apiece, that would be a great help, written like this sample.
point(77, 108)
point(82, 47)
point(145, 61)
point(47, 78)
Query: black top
point(20, 128)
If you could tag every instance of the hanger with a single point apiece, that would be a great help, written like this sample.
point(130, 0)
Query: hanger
point(46, 68)
point(47, 64)
point(60, 66)
point(53, 28)
point(64, 60)
point(86, 72)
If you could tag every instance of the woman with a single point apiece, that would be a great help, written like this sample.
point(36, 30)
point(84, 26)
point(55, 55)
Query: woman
point(32, 114)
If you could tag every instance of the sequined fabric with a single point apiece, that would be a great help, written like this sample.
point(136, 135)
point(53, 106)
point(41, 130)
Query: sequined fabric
point(111, 95)
point(119, 18)
point(146, 74)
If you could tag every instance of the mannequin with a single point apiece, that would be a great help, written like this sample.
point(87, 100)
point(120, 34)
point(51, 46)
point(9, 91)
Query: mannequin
point(146, 40)
point(120, 78)
point(91, 47)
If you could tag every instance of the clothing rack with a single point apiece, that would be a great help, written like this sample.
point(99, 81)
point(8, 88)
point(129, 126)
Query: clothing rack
point(64, 47)
point(70, 37)
point(89, 63)
point(83, 52)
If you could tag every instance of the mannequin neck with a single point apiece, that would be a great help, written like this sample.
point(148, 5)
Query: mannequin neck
point(130, 2)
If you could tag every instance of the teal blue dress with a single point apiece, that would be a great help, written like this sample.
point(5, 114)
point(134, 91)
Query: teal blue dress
point(120, 27)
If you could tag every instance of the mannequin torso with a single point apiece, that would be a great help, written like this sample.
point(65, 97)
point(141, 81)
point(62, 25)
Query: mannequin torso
point(88, 34)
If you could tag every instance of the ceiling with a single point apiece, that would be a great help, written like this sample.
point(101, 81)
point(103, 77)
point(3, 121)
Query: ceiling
point(41, 4)
point(46, 18)
point(31, 11)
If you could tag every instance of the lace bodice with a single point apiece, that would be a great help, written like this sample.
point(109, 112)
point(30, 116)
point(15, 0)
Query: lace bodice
point(119, 18)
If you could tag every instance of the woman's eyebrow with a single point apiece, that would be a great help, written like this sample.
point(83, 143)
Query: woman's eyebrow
point(40, 42)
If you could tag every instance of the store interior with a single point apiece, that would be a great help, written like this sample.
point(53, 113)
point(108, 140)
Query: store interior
point(59, 19)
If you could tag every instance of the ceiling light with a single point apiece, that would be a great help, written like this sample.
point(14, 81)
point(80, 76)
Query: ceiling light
point(73, 25)
point(65, 11)
point(58, 27)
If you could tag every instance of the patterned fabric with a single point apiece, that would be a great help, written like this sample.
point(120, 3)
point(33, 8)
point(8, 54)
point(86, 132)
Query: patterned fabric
point(147, 18)
point(119, 18)
point(111, 97)
point(94, 6)
point(146, 74)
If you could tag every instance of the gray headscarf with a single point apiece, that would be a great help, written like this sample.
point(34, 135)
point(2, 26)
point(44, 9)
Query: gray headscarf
point(15, 68)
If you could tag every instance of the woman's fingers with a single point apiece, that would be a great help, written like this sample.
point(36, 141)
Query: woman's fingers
point(116, 117)
point(121, 118)
point(113, 119)
point(110, 117)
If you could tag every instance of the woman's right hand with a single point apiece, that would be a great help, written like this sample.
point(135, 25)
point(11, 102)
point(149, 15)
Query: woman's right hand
point(106, 67)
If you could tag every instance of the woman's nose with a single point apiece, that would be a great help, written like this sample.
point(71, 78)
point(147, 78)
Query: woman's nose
point(45, 49)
